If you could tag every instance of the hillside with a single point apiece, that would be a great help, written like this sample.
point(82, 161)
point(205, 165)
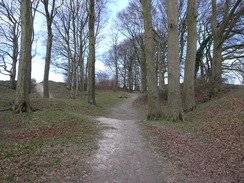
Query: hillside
point(208, 145)
point(53, 143)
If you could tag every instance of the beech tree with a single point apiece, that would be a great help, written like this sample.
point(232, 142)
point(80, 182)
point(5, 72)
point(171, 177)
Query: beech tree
point(21, 103)
point(174, 96)
point(91, 57)
point(189, 75)
point(154, 108)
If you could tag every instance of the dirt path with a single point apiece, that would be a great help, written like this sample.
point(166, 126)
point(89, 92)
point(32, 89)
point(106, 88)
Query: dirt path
point(123, 155)
point(39, 90)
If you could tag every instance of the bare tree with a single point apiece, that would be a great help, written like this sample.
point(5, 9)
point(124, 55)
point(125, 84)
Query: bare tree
point(131, 26)
point(174, 97)
point(50, 7)
point(9, 33)
point(70, 43)
point(189, 75)
point(222, 29)
point(22, 92)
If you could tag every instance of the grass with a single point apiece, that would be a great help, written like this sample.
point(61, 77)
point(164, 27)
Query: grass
point(209, 141)
point(53, 143)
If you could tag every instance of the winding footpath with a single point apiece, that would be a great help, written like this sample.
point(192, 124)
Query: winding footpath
point(123, 155)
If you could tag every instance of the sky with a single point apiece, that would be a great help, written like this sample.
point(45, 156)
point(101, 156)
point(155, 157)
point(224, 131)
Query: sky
point(38, 62)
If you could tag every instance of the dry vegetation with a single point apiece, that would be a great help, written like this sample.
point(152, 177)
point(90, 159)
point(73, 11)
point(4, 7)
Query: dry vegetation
point(208, 145)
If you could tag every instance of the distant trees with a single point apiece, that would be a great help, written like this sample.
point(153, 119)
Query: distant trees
point(130, 23)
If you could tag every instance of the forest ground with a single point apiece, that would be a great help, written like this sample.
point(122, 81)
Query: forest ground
point(61, 141)
point(208, 146)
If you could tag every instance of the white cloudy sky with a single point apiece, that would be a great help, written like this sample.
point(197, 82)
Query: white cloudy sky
point(114, 6)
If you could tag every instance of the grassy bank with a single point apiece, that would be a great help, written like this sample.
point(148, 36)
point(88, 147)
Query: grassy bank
point(53, 143)
point(208, 145)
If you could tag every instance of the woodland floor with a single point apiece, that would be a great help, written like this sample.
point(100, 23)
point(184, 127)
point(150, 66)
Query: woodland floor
point(208, 146)
point(60, 143)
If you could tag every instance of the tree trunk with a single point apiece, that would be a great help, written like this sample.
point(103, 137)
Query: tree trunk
point(91, 57)
point(73, 80)
point(174, 97)
point(69, 66)
point(74, 61)
point(13, 75)
point(154, 108)
point(143, 72)
point(22, 94)
point(130, 78)
point(81, 73)
point(189, 102)
point(14, 63)
point(116, 64)
point(160, 65)
point(200, 52)
point(217, 50)
point(116, 74)
point(81, 61)
point(47, 59)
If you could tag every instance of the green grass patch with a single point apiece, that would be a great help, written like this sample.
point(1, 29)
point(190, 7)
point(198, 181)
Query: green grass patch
point(60, 135)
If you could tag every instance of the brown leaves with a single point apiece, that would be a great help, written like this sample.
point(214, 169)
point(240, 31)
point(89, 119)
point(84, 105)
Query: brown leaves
point(201, 162)
point(208, 147)
point(37, 134)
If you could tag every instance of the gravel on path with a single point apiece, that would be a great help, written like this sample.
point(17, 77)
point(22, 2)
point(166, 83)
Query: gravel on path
point(123, 155)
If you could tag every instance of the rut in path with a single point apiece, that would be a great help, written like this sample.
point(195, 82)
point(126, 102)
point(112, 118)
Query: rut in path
point(123, 155)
